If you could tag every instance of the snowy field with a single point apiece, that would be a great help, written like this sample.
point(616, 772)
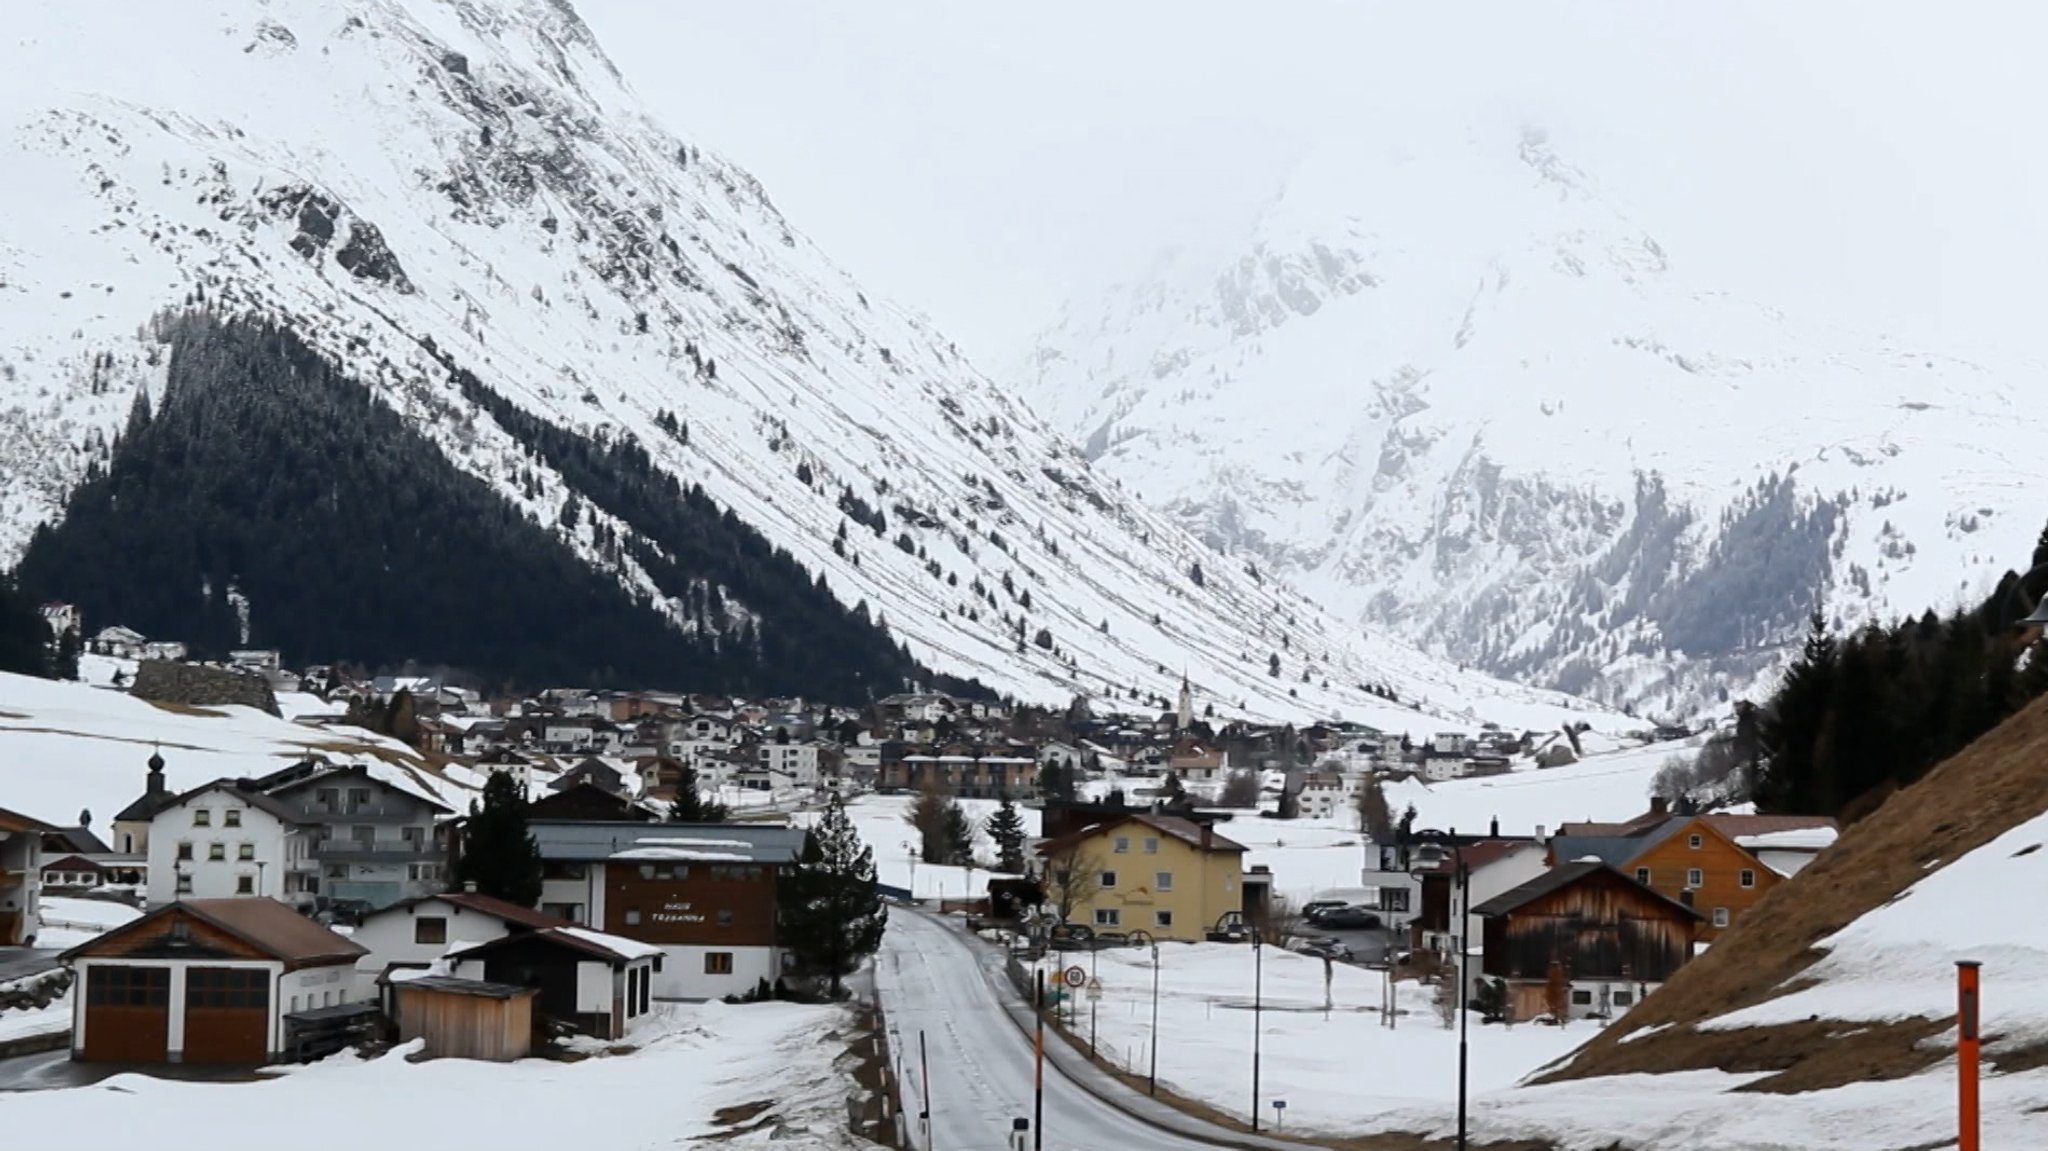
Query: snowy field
point(1337, 1069)
point(1610, 786)
point(879, 819)
point(69, 747)
point(702, 1058)
point(69, 921)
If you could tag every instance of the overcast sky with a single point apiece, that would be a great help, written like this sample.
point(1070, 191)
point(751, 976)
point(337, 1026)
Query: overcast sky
point(1875, 162)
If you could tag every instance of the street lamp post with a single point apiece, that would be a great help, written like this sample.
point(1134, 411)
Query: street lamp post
point(913, 869)
point(1152, 1079)
point(1258, 1014)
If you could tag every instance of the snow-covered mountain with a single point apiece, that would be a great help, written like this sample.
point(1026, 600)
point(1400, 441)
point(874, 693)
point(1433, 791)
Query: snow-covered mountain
point(421, 188)
point(1453, 389)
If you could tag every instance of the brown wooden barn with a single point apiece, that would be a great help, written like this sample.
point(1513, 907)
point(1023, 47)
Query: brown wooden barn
point(1582, 939)
point(205, 981)
point(466, 1018)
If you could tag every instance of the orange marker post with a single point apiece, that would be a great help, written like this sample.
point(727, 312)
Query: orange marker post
point(1966, 1053)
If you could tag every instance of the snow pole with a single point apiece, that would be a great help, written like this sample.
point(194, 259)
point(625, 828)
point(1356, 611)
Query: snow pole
point(1967, 1049)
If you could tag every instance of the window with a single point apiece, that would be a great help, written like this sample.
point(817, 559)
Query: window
point(1693, 842)
point(1108, 917)
point(216, 851)
point(1162, 919)
point(1163, 881)
point(245, 885)
point(358, 798)
point(1109, 879)
point(724, 918)
point(185, 851)
point(646, 982)
point(1694, 877)
point(561, 869)
point(1720, 917)
point(1151, 845)
point(1582, 998)
point(245, 851)
point(647, 871)
point(232, 817)
point(227, 987)
point(1123, 844)
point(718, 963)
point(430, 929)
point(632, 917)
point(1748, 877)
point(1624, 998)
point(327, 797)
point(1643, 876)
point(1393, 899)
point(128, 986)
point(202, 817)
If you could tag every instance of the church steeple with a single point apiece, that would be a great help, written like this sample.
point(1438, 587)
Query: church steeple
point(1185, 717)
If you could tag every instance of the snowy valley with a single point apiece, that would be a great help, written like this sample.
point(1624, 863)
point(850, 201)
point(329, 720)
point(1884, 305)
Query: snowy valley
point(1455, 390)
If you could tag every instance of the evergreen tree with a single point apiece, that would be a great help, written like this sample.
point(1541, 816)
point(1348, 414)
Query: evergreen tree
point(828, 915)
point(24, 637)
point(959, 831)
point(1006, 827)
point(690, 806)
point(1173, 792)
point(498, 854)
point(939, 823)
point(1375, 817)
point(1056, 780)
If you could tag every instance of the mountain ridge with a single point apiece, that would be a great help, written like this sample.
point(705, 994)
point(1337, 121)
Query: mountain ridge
point(426, 189)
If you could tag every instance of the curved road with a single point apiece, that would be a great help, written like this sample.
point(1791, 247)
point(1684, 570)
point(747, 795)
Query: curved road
point(931, 979)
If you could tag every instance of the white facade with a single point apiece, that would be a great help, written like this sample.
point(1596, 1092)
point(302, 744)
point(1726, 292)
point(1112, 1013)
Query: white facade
point(395, 936)
point(215, 844)
point(1494, 877)
point(797, 760)
point(684, 973)
point(567, 736)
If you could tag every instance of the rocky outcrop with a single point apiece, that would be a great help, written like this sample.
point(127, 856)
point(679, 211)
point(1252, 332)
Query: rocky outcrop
point(196, 685)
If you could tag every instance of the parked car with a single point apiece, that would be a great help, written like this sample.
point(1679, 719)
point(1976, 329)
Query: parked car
point(1071, 935)
point(1348, 919)
point(1314, 910)
point(1324, 947)
point(1112, 939)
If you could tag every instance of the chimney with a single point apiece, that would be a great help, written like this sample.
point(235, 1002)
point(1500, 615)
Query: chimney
point(1659, 805)
point(1494, 831)
point(1541, 837)
point(469, 887)
point(1208, 837)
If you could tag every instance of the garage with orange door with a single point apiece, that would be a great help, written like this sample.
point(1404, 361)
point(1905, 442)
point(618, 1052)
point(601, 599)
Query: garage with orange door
point(204, 981)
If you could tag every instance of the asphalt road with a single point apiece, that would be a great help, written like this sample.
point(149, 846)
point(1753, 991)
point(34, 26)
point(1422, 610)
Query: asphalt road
point(931, 979)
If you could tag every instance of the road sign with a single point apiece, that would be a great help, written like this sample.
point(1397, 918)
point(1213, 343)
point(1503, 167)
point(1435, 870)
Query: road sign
point(1074, 976)
point(1094, 989)
point(1279, 1104)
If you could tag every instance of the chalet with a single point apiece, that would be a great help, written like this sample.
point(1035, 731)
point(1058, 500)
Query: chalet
point(21, 846)
point(227, 839)
point(214, 981)
point(78, 873)
point(703, 893)
point(1700, 860)
point(1582, 939)
point(961, 769)
point(593, 771)
point(1170, 877)
point(125, 643)
point(372, 840)
point(599, 984)
point(1323, 795)
point(587, 801)
point(411, 934)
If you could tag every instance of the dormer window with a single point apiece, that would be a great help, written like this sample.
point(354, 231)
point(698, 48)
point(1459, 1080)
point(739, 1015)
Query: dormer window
point(202, 817)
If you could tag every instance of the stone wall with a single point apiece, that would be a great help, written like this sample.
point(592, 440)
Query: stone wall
point(196, 685)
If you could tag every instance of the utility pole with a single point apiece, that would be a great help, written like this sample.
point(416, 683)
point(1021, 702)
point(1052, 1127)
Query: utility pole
point(1464, 983)
point(1038, 1087)
point(1152, 1084)
point(1258, 1015)
point(924, 1068)
point(1094, 995)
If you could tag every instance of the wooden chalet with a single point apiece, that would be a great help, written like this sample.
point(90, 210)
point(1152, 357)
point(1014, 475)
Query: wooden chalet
point(1582, 939)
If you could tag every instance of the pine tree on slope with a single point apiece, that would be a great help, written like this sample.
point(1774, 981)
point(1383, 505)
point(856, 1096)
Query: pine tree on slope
point(691, 807)
point(498, 854)
point(829, 915)
point(1006, 827)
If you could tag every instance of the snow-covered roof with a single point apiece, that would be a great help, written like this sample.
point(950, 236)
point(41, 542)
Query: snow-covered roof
point(1799, 839)
point(625, 948)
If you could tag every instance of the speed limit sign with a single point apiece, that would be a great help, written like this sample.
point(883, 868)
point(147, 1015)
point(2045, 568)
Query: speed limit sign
point(1074, 977)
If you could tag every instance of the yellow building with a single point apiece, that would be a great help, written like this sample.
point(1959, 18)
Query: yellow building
point(1172, 878)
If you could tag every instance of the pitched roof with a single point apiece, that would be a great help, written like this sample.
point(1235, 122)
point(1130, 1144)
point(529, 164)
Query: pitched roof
point(1740, 825)
point(611, 949)
point(477, 988)
point(1477, 855)
point(256, 799)
point(1185, 830)
point(264, 924)
point(483, 905)
point(82, 840)
point(1561, 877)
point(15, 821)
